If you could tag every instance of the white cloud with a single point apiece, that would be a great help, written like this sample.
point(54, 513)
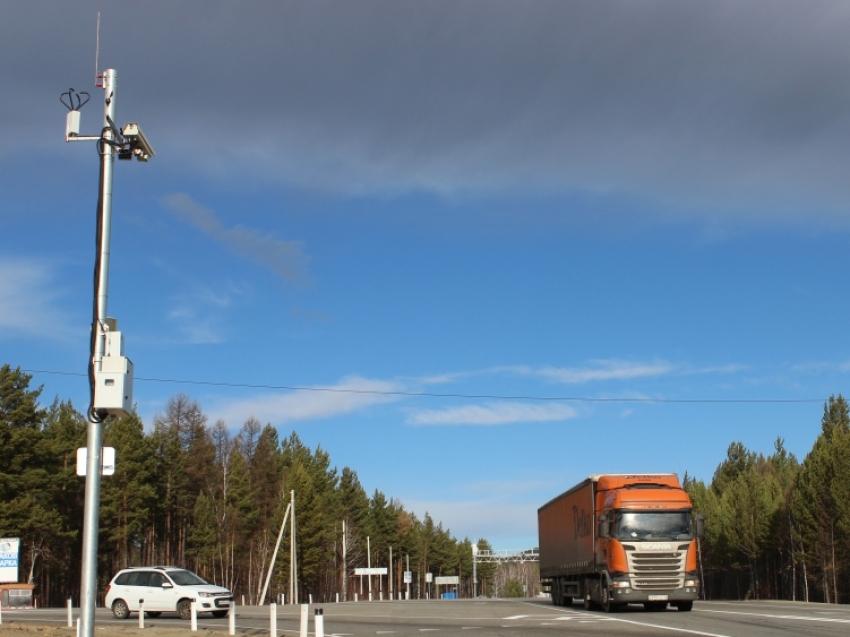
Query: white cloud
point(349, 395)
point(493, 414)
point(284, 258)
point(605, 370)
point(504, 524)
point(29, 298)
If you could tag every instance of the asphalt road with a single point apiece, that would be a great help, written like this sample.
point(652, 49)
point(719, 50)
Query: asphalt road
point(505, 618)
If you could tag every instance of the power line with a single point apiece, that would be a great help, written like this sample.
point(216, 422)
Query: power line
point(340, 390)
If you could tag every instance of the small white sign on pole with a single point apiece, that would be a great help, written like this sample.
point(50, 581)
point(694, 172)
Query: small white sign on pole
point(429, 577)
point(371, 571)
point(408, 577)
point(447, 579)
point(108, 457)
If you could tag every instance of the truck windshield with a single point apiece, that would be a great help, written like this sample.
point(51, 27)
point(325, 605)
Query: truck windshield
point(673, 525)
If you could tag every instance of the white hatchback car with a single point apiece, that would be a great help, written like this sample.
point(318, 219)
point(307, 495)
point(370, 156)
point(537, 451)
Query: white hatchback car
point(164, 589)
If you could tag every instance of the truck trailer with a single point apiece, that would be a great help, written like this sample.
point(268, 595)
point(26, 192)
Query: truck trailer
point(623, 539)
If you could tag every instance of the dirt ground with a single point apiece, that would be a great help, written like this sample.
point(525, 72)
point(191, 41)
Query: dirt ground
point(29, 629)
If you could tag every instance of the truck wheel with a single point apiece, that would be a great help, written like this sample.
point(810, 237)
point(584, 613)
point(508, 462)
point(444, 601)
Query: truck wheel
point(567, 601)
point(607, 605)
point(589, 604)
point(685, 606)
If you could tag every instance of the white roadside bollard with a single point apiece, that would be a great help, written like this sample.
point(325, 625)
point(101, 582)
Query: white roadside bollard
point(355, 597)
point(273, 619)
point(319, 623)
point(70, 613)
point(193, 616)
point(337, 598)
point(305, 619)
point(232, 623)
point(141, 613)
point(243, 600)
point(78, 627)
point(311, 597)
point(1, 616)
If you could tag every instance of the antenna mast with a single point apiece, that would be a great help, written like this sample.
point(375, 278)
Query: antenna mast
point(97, 77)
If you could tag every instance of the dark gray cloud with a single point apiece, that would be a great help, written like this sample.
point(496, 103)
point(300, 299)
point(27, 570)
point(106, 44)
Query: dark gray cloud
point(737, 105)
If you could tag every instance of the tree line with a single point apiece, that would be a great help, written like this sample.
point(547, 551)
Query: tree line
point(196, 495)
point(777, 528)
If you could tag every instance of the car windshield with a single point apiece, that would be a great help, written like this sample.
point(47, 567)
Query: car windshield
point(674, 525)
point(186, 578)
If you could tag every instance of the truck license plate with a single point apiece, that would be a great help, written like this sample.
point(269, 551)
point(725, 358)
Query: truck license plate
point(658, 598)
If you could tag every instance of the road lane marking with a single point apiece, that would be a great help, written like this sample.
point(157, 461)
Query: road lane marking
point(588, 617)
point(833, 620)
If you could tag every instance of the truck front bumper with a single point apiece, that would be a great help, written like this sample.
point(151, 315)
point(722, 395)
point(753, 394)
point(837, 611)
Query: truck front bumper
point(632, 596)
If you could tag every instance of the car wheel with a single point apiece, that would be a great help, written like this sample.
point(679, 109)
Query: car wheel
point(119, 609)
point(219, 613)
point(153, 613)
point(184, 609)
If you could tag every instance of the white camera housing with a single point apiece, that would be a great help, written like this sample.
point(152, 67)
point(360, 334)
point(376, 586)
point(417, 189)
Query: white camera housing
point(141, 147)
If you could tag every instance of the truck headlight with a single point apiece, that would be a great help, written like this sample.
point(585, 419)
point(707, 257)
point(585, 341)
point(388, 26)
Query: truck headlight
point(691, 582)
point(620, 584)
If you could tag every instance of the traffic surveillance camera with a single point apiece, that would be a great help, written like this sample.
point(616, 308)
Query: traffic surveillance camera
point(139, 144)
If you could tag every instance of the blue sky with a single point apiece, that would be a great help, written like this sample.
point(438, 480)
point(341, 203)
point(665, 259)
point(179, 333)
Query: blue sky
point(593, 201)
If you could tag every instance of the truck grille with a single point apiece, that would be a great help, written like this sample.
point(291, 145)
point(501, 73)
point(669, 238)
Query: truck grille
point(655, 571)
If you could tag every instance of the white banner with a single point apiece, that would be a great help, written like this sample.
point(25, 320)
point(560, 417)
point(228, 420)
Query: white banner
point(10, 548)
point(448, 579)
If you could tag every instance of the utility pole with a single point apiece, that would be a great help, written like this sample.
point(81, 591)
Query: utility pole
point(475, 570)
point(110, 372)
point(293, 575)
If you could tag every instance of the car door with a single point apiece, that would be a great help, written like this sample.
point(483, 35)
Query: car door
point(136, 589)
point(157, 598)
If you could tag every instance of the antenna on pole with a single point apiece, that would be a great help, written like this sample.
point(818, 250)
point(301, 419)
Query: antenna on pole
point(97, 79)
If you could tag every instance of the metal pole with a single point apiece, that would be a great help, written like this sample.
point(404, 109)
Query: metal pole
point(475, 570)
point(390, 572)
point(91, 514)
point(408, 570)
point(369, 564)
point(293, 579)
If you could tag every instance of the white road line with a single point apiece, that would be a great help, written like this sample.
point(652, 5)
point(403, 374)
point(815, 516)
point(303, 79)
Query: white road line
point(515, 617)
point(769, 616)
point(386, 632)
point(588, 616)
point(471, 627)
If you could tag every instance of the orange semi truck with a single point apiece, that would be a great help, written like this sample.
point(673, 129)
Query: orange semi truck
point(613, 540)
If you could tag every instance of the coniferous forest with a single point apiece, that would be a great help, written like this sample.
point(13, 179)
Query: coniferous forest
point(196, 495)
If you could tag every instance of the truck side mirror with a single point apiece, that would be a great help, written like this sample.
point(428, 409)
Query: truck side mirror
point(700, 524)
point(603, 527)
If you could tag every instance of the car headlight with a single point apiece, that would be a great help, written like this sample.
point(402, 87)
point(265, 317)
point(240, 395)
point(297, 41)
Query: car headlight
point(204, 594)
